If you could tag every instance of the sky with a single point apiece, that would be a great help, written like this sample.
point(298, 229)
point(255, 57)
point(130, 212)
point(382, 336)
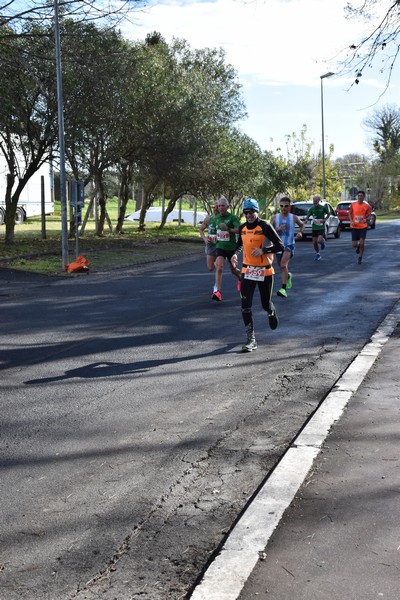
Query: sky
point(280, 49)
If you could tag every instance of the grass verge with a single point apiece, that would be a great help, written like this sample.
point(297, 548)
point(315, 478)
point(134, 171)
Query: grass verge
point(32, 253)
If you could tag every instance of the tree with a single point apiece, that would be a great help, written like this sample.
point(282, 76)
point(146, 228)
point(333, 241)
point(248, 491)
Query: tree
point(381, 192)
point(299, 156)
point(179, 102)
point(353, 172)
point(332, 176)
point(232, 168)
point(125, 172)
point(96, 64)
point(381, 43)
point(157, 119)
point(28, 111)
point(287, 174)
point(384, 124)
point(275, 177)
point(17, 22)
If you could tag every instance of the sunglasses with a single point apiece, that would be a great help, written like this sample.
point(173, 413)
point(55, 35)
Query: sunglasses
point(249, 212)
point(284, 205)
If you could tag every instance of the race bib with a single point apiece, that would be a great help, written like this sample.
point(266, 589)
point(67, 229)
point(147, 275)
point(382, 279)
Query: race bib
point(359, 219)
point(318, 221)
point(212, 238)
point(254, 273)
point(223, 236)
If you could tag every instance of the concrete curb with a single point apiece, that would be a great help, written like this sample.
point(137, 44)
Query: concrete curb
point(228, 573)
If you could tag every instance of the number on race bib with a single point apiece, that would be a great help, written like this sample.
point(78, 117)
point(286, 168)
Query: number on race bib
point(223, 236)
point(254, 273)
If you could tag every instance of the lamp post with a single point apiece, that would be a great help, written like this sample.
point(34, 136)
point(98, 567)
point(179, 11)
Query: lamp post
point(322, 77)
point(63, 189)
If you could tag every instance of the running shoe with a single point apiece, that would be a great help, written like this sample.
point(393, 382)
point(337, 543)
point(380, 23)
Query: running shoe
point(250, 346)
point(317, 256)
point(282, 292)
point(323, 245)
point(217, 296)
point(239, 285)
point(289, 281)
point(272, 318)
point(359, 260)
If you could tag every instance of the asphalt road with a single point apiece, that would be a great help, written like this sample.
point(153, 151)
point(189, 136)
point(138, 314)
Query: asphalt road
point(134, 431)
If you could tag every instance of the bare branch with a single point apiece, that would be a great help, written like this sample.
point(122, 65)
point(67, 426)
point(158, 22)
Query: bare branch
point(16, 13)
point(382, 43)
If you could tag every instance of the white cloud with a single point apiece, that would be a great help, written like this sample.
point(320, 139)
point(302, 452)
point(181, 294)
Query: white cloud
point(274, 42)
point(278, 48)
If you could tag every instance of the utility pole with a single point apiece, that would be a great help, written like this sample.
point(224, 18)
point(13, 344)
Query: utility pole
point(322, 77)
point(63, 186)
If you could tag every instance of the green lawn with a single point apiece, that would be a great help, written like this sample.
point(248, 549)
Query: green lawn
point(31, 252)
point(387, 215)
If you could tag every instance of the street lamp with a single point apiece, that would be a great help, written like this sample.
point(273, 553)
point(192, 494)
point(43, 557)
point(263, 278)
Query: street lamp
point(322, 77)
point(63, 189)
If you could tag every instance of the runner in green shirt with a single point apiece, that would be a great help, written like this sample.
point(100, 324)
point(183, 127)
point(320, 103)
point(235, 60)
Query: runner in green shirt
point(227, 226)
point(318, 212)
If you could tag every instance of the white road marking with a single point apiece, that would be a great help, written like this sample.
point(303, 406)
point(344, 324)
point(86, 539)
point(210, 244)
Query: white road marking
point(227, 574)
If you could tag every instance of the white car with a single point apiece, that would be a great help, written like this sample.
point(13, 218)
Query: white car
point(332, 223)
point(154, 214)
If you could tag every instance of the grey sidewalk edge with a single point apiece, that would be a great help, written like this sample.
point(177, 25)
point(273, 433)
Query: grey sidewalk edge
point(227, 574)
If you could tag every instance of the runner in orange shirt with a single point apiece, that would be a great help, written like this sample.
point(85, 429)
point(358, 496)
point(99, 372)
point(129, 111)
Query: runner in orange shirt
point(257, 267)
point(359, 213)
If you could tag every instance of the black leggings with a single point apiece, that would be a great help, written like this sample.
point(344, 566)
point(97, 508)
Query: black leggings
point(247, 292)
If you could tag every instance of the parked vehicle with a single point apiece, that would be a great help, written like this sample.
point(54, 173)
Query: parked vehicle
point(154, 214)
point(30, 200)
point(332, 223)
point(343, 212)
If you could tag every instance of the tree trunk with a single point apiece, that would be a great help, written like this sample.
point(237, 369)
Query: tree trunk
point(101, 198)
point(11, 209)
point(124, 189)
point(168, 210)
point(148, 199)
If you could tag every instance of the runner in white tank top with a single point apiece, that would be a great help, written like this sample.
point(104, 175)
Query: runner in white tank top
point(284, 223)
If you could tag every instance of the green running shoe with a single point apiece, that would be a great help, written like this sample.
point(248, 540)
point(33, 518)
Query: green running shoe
point(251, 343)
point(250, 346)
point(282, 292)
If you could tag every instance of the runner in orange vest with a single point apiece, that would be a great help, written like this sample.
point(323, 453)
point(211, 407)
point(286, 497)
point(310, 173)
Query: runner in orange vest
point(259, 241)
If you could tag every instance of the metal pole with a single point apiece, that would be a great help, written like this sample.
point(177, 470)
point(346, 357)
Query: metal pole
point(323, 142)
point(323, 135)
point(63, 189)
point(43, 207)
point(77, 227)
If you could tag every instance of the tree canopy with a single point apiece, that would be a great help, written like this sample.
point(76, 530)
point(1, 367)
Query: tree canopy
point(154, 108)
point(160, 114)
